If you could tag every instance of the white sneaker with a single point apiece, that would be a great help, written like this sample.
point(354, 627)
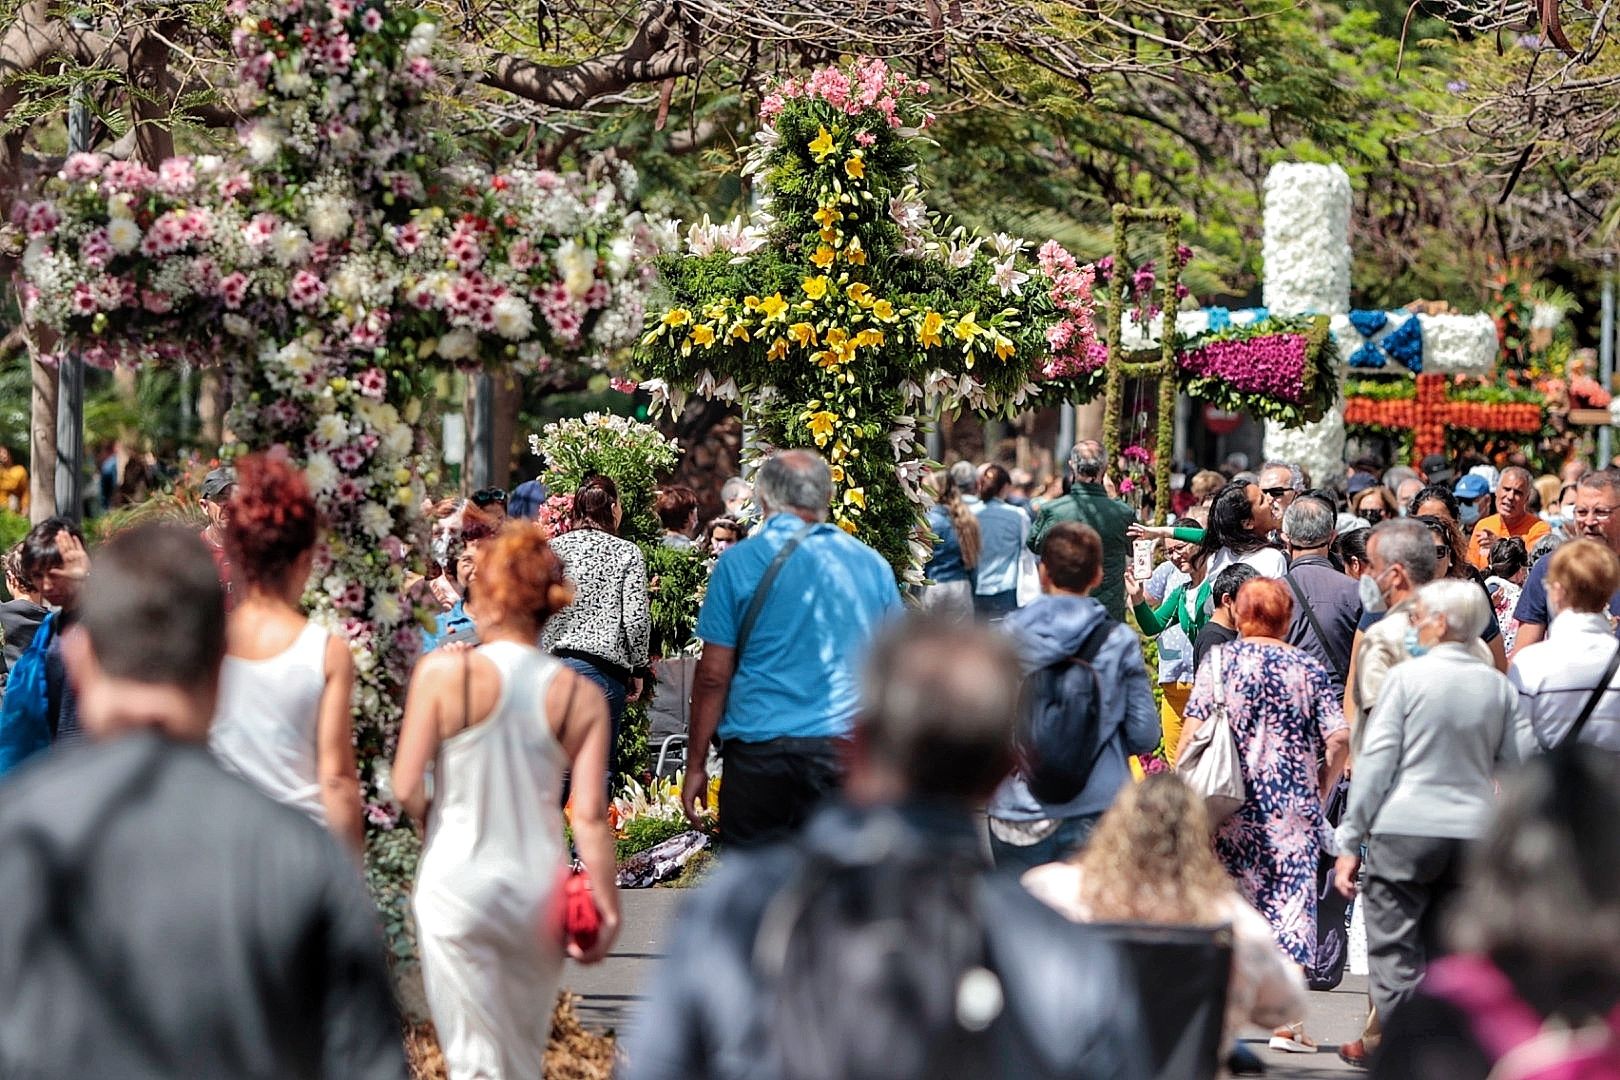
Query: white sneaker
point(1292, 1040)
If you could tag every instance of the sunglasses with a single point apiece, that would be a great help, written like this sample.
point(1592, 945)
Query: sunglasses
point(1373, 517)
point(489, 496)
point(1441, 551)
point(1276, 492)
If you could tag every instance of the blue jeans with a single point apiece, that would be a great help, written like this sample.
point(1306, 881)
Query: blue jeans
point(995, 606)
point(613, 691)
point(1069, 837)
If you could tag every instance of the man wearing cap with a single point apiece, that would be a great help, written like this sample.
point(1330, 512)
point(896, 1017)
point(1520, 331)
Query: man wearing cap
point(216, 497)
point(1435, 469)
point(1512, 517)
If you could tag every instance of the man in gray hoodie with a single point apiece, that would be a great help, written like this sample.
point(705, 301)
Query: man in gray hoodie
point(1025, 832)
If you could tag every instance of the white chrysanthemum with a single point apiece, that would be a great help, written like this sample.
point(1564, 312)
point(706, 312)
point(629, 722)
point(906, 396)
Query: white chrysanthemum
point(289, 245)
point(513, 319)
point(292, 81)
point(398, 439)
point(376, 520)
point(123, 234)
point(1307, 245)
point(296, 358)
point(578, 266)
point(208, 164)
point(329, 218)
point(322, 474)
point(332, 429)
point(119, 205)
point(458, 345)
point(386, 608)
point(346, 284)
point(237, 326)
point(262, 143)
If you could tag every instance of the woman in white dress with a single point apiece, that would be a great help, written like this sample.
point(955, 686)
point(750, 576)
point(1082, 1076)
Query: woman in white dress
point(283, 721)
point(487, 736)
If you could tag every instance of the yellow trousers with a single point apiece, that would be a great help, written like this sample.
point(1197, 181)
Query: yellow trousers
point(1175, 700)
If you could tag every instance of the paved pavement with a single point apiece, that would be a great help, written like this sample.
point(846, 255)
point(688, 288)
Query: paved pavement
point(610, 990)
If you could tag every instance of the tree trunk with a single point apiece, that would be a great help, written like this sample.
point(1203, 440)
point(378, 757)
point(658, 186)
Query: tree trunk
point(211, 408)
point(42, 442)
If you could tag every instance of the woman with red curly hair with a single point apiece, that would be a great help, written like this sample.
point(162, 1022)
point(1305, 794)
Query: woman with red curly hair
point(283, 720)
point(487, 736)
point(1292, 743)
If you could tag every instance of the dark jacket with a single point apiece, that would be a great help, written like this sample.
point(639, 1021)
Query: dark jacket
point(1334, 599)
point(19, 619)
point(1089, 504)
point(165, 919)
point(708, 1013)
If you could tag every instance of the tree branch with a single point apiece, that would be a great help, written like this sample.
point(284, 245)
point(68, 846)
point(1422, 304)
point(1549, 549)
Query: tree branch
point(661, 48)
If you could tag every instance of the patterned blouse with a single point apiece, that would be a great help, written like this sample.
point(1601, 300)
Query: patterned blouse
point(610, 615)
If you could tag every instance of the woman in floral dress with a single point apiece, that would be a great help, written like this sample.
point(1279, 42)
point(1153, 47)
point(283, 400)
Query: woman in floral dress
point(1292, 743)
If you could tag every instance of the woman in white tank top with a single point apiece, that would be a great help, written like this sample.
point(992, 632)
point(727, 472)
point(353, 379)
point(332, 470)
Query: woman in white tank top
point(498, 726)
point(283, 720)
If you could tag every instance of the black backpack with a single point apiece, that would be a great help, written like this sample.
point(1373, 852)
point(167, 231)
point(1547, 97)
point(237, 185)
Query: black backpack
point(1060, 729)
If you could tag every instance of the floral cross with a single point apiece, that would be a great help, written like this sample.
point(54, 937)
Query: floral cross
point(842, 309)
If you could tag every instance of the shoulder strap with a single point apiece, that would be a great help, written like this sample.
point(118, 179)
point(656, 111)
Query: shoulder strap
point(1095, 638)
point(763, 590)
point(1339, 666)
point(1217, 658)
point(1592, 702)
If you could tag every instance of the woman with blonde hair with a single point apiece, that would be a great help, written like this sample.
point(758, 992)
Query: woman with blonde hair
point(1150, 861)
point(1569, 672)
point(487, 736)
point(951, 568)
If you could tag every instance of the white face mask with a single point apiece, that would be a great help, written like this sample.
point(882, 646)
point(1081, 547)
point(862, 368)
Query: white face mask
point(1372, 596)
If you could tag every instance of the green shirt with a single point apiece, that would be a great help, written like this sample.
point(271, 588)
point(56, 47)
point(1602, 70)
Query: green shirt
point(1090, 505)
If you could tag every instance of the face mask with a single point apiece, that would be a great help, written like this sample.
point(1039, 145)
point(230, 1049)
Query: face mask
point(1372, 597)
point(1470, 514)
point(1413, 645)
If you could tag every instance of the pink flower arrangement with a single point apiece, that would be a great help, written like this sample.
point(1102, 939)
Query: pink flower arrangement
point(867, 85)
point(1072, 338)
point(1272, 365)
point(556, 514)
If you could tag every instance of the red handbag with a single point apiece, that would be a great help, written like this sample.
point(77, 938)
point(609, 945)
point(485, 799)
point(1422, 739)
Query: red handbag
point(581, 921)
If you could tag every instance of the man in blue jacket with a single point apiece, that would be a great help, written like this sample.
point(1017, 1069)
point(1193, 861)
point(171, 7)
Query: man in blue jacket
point(1025, 832)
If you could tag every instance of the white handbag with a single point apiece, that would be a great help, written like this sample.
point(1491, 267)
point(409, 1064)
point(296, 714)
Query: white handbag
point(1211, 765)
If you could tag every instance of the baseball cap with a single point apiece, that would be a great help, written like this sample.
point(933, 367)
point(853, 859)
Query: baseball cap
point(1360, 482)
point(1471, 486)
point(1489, 473)
point(218, 483)
point(1437, 469)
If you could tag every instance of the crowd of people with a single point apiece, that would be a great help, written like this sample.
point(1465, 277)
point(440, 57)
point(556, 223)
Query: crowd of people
point(1393, 685)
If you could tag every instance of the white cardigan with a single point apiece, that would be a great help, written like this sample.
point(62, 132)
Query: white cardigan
point(1556, 676)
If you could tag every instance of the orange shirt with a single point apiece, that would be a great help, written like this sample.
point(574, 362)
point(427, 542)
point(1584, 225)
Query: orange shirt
point(1530, 528)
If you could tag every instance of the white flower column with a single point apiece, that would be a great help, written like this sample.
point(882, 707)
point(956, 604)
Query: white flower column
point(1307, 272)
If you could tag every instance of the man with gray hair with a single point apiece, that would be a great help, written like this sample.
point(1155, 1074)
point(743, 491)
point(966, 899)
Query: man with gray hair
point(879, 942)
point(1089, 503)
point(785, 626)
point(1327, 603)
point(1280, 483)
point(1512, 518)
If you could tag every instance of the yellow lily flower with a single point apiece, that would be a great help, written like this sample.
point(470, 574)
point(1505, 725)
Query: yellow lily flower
point(777, 350)
point(1004, 347)
point(868, 339)
point(821, 147)
point(855, 497)
point(802, 333)
point(677, 317)
point(821, 426)
point(837, 472)
point(855, 167)
point(827, 216)
point(883, 310)
point(824, 257)
point(740, 333)
point(703, 335)
point(855, 255)
point(816, 288)
point(772, 307)
point(966, 329)
point(751, 302)
point(928, 334)
point(860, 292)
point(848, 526)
